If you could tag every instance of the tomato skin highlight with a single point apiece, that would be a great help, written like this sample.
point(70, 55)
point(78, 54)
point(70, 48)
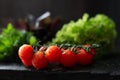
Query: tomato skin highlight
point(42, 48)
point(25, 52)
point(39, 61)
point(53, 54)
point(68, 58)
point(84, 57)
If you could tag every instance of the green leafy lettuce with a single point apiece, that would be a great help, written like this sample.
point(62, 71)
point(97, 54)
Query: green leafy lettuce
point(99, 29)
point(11, 39)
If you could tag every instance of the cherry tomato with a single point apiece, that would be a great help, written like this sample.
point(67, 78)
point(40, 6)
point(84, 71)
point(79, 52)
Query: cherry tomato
point(25, 52)
point(84, 57)
point(68, 58)
point(53, 54)
point(39, 61)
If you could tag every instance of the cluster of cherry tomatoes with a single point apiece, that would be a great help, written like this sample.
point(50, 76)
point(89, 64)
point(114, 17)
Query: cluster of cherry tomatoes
point(66, 57)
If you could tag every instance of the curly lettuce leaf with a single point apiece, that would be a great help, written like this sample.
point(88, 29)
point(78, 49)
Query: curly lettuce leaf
point(99, 29)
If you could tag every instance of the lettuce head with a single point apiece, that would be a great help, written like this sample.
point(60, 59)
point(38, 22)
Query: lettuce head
point(99, 29)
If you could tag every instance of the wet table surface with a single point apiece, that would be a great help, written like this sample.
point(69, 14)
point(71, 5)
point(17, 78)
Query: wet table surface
point(106, 68)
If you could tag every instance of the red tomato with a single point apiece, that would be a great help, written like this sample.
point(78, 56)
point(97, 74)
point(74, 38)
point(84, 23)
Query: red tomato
point(68, 58)
point(25, 52)
point(53, 54)
point(84, 57)
point(39, 61)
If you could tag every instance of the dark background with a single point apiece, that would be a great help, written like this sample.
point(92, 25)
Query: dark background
point(67, 9)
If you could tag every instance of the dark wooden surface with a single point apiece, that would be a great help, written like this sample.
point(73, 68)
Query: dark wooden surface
point(106, 68)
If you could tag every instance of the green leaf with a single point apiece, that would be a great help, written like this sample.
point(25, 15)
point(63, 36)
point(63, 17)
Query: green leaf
point(11, 39)
point(32, 40)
